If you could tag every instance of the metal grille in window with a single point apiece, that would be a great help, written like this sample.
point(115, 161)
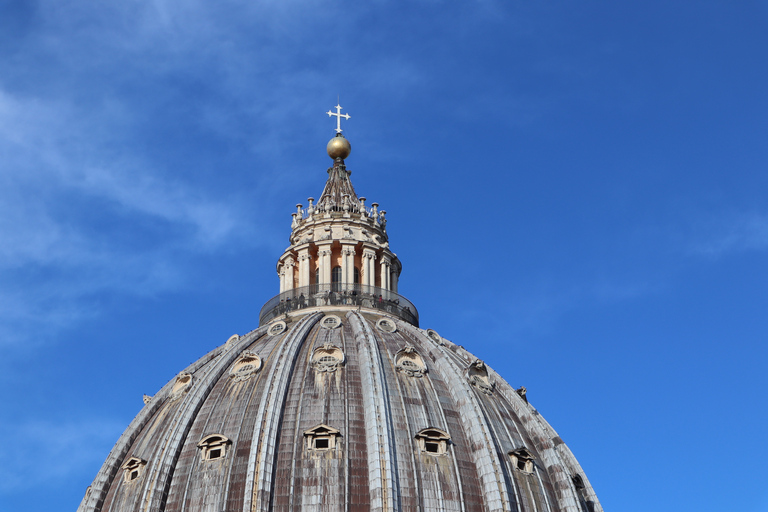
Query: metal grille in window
point(327, 358)
point(330, 322)
point(276, 328)
point(247, 365)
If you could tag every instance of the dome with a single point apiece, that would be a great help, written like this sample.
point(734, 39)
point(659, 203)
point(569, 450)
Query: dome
point(339, 401)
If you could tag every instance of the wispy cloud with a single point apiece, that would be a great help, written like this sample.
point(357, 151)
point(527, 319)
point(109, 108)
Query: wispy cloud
point(43, 452)
point(732, 234)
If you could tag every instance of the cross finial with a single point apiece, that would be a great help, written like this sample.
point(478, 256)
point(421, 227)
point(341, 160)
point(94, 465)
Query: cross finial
point(338, 115)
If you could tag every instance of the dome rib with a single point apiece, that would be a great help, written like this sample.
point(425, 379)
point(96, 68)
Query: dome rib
point(379, 429)
point(162, 471)
point(258, 495)
point(94, 500)
point(483, 451)
point(542, 438)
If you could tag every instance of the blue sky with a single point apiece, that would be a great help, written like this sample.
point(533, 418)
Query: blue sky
point(577, 191)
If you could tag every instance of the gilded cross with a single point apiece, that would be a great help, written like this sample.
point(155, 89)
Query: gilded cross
point(338, 115)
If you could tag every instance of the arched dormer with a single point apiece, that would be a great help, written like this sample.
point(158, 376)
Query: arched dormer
point(213, 447)
point(433, 441)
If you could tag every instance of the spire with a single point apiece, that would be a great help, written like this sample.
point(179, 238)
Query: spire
point(339, 194)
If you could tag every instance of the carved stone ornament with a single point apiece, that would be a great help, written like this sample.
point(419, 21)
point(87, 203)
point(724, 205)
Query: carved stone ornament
point(409, 362)
point(477, 374)
point(277, 328)
point(522, 460)
point(147, 399)
point(330, 322)
point(435, 337)
point(232, 339)
point(386, 325)
point(181, 386)
point(327, 358)
point(132, 469)
point(247, 365)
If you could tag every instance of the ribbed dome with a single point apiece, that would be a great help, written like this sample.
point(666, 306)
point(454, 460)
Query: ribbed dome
point(339, 402)
point(407, 421)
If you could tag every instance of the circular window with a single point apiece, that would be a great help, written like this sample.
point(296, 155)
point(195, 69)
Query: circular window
point(435, 337)
point(386, 325)
point(277, 328)
point(330, 322)
point(248, 364)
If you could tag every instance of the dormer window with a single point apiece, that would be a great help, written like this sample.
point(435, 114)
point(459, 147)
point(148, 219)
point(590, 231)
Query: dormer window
point(321, 437)
point(433, 441)
point(133, 468)
point(213, 447)
point(522, 460)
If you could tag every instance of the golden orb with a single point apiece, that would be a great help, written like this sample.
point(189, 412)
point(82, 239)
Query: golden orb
point(339, 147)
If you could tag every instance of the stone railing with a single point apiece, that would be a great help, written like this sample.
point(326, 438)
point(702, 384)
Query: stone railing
point(339, 295)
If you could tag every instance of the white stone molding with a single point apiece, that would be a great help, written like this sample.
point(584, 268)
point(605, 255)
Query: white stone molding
point(181, 386)
point(213, 447)
point(386, 325)
point(327, 358)
point(133, 469)
point(410, 363)
point(330, 322)
point(321, 438)
point(379, 428)
point(477, 374)
point(261, 457)
point(276, 328)
point(246, 366)
point(433, 441)
point(304, 267)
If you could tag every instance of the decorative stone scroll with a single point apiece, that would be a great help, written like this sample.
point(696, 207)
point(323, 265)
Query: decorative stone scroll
point(277, 328)
point(181, 386)
point(477, 374)
point(327, 358)
point(386, 325)
point(330, 322)
point(409, 362)
point(247, 365)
